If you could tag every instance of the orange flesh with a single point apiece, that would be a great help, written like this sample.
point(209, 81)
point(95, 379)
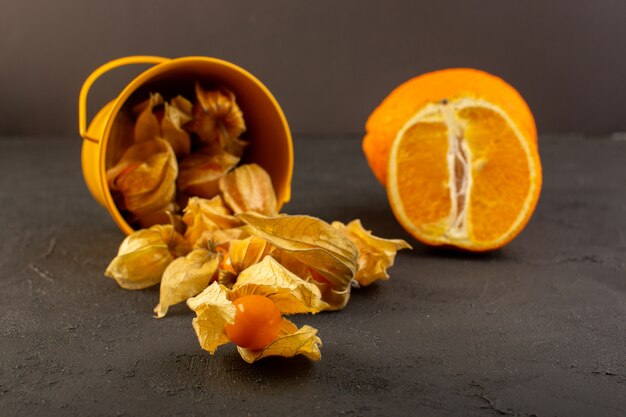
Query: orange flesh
point(257, 322)
point(422, 162)
point(462, 176)
point(501, 174)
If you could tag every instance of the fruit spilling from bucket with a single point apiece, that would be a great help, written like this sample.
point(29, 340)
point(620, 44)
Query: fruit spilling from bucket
point(457, 152)
point(212, 235)
point(180, 149)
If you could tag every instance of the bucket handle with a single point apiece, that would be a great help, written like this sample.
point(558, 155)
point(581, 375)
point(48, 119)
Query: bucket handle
point(84, 91)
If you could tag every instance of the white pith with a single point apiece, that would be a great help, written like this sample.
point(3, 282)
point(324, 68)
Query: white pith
point(457, 231)
point(458, 154)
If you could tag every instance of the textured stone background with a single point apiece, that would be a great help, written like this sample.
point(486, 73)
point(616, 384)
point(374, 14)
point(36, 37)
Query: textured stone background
point(537, 328)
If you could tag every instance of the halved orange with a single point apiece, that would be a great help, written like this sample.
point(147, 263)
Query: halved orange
point(407, 99)
point(463, 169)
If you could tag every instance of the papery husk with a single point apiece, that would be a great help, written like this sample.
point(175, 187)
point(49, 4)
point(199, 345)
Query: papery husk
point(176, 220)
point(176, 114)
point(308, 274)
point(218, 120)
point(147, 124)
point(243, 253)
point(316, 244)
point(290, 293)
point(200, 172)
point(220, 237)
point(290, 342)
point(175, 241)
point(186, 277)
point(226, 277)
point(132, 157)
point(203, 215)
point(213, 311)
point(210, 210)
point(249, 188)
point(145, 177)
point(376, 254)
point(150, 186)
point(160, 216)
point(236, 147)
point(144, 255)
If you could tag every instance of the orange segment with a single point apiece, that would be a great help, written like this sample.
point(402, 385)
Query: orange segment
point(422, 161)
point(501, 173)
point(462, 173)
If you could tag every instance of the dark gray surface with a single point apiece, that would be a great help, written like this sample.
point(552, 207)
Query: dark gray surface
point(328, 62)
point(536, 328)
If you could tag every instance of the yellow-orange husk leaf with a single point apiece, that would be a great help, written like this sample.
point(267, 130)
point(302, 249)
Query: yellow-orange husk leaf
point(186, 277)
point(376, 254)
point(244, 253)
point(218, 121)
point(200, 172)
point(308, 274)
point(132, 157)
point(143, 256)
point(176, 113)
point(147, 185)
point(290, 293)
point(213, 311)
point(147, 124)
point(249, 188)
point(290, 342)
point(316, 244)
point(220, 237)
point(203, 215)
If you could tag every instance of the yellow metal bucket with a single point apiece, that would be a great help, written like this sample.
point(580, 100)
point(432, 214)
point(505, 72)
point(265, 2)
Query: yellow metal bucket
point(270, 138)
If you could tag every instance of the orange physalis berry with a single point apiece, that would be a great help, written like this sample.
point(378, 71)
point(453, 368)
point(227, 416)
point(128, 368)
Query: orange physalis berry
point(257, 322)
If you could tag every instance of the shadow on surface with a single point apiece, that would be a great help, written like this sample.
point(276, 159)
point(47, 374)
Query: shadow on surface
point(278, 369)
point(451, 253)
point(369, 292)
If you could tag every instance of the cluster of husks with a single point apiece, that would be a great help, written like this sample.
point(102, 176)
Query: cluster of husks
point(230, 241)
point(179, 149)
